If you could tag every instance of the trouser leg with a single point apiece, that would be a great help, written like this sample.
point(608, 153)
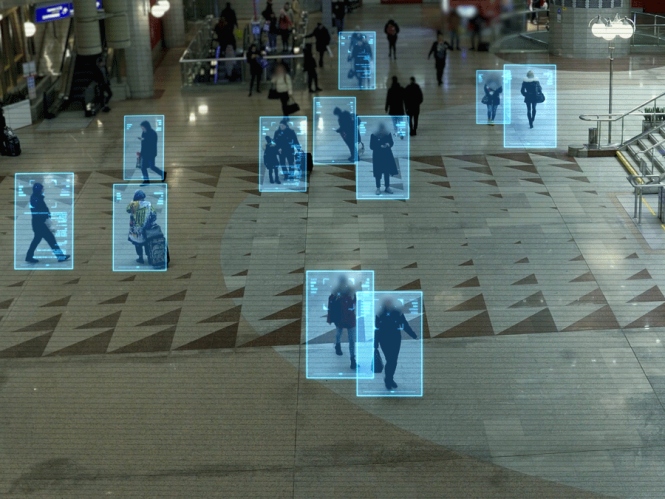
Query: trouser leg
point(386, 180)
point(352, 341)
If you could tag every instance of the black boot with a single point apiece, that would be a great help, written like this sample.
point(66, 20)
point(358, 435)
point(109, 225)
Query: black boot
point(338, 349)
point(353, 363)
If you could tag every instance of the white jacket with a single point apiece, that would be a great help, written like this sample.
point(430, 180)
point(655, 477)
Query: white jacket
point(282, 84)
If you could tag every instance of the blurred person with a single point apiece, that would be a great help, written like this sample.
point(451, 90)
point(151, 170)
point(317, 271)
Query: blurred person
point(273, 31)
point(268, 11)
point(339, 12)
point(255, 68)
point(225, 36)
point(141, 216)
point(230, 15)
point(439, 49)
point(271, 160)
point(454, 21)
point(103, 84)
point(533, 95)
point(322, 37)
point(395, 99)
point(476, 27)
point(41, 226)
point(287, 144)
point(289, 12)
point(285, 25)
point(391, 30)
point(309, 65)
point(413, 98)
point(283, 85)
point(383, 161)
point(149, 152)
point(342, 313)
point(360, 56)
point(346, 130)
point(492, 99)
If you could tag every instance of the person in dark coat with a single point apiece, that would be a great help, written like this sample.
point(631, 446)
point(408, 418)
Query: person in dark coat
point(391, 30)
point(3, 125)
point(287, 144)
point(103, 84)
point(476, 26)
point(255, 68)
point(413, 98)
point(149, 152)
point(267, 12)
point(342, 313)
point(271, 160)
point(230, 15)
point(361, 57)
point(439, 49)
point(273, 31)
point(383, 161)
point(493, 93)
point(346, 130)
point(224, 32)
point(395, 100)
point(309, 65)
point(41, 217)
point(339, 11)
point(388, 323)
point(533, 93)
point(322, 37)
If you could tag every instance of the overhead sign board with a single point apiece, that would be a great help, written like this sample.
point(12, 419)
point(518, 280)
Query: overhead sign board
point(53, 12)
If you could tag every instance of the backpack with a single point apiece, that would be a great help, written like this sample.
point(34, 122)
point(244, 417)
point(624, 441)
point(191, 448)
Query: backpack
point(391, 30)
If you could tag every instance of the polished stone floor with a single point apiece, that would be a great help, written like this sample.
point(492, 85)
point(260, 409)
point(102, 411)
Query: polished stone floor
point(543, 323)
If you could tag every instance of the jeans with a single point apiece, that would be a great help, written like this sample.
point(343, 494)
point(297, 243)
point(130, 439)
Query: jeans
point(413, 120)
point(272, 40)
point(391, 351)
point(312, 76)
point(531, 112)
point(105, 94)
point(321, 58)
point(386, 180)
point(139, 250)
point(42, 232)
point(491, 111)
point(284, 98)
point(149, 163)
point(258, 80)
point(339, 24)
point(454, 39)
point(440, 66)
point(352, 339)
point(392, 46)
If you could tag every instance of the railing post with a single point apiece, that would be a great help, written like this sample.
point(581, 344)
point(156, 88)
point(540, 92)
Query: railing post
point(622, 122)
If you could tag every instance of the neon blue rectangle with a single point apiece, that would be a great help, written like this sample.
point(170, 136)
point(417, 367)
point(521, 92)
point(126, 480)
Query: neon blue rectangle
point(519, 134)
point(124, 254)
point(398, 128)
point(291, 162)
point(409, 372)
point(322, 362)
point(133, 137)
point(29, 225)
point(491, 82)
point(357, 62)
point(333, 140)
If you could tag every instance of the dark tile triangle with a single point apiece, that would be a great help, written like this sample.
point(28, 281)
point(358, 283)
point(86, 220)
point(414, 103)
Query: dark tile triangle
point(253, 192)
point(350, 188)
point(587, 277)
point(95, 345)
point(167, 319)
point(475, 303)
point(210, 182)
point(213, 171)
point(16, 285)
point(109, 213)
point(62, 302)
point(520, 157)
point(327, 337)
point(357, 267)
point(176, 297)
point(5, 304)
point(242, 273)
point(596, 297)
point(535, 300)
point(230, 315)
point(80, 178)
point(301, 270)
point(452, 198)
point(558, 155)
point(185, 276)
point(643, 274)
point(580, 179)
point(632, 256)
point(252, 179)
point(345, 175)
point(429, 160)
point(655, 318)
point(412, 286)
point(158, 342)
point(44, 325)
point(117, 300)
point(468, 263)
point(413, 265)
point(591, 192)
point(540, 322)
point(497, 196)
point(485, 170)
point(353, 201)
point(530, 279)
point(238, 293)
point(222, 338)
point(208, 194)
point(488, 182)
point(578, 258)
point(439, 172)
point(471, 283)
point(523, 260)
point(32, 348)
point(108, 321)
point(292, 312)
point(131, 278)
point(117, 174)
point(206, 208)
point(534, 180)
point(652, 294)
point(480, 325)
point(603, 318)
point(285, 335)
point(295, 291)
point(248, 167)
point(544, 193)
point(74, 281)
point(441, 184)
point(478, 159)
point(426, 331)
point(523, 168)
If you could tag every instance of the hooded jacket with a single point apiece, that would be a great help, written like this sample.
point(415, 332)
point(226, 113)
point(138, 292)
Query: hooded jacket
point(493, 96)
point(342, 309)
point(530, 90)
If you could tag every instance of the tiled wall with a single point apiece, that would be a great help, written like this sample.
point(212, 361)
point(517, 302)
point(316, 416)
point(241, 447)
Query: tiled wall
point(174, 25)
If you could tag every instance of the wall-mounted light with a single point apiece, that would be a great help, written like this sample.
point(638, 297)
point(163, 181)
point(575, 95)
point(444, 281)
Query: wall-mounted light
point(164, 4)
point(157, 11)
point(30, 29)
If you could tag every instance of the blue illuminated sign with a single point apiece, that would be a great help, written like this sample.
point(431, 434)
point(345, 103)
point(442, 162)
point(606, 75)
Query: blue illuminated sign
point(53, 12)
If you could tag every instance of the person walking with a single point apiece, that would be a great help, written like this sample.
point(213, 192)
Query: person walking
point(271, 160)
point(395, 99)
point(103, 84)
point(533, 95)
point(492, 99)
point(285, 25)
point(230, 15)
point(360, 56)
point(41, 226)
point(283, 85)
point(439, 49)
point(388, 325)
point(255, 68)
point(309, 65)
point(454, 21)
point(322, 37)
point(273, 32)
point(476, 26)
point(391, 30)
point(287, 144)
point(346, 130)
point(383, 161)
point(268, 11)
point(149, 152)
point(413, 98)
point(339, 12)
point(141, 216)
point(342, 313)
point(225, 36)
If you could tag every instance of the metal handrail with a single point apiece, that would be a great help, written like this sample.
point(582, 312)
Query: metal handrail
point(226, 59)
point(635, 14)
point(585, 117)
point(644, 151)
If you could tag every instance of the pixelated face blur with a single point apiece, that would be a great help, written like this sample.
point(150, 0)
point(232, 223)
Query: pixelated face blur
point(142, 128)
point(282, 126)
point(440, 38)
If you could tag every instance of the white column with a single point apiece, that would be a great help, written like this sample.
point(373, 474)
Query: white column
point(138, 58)
point(174, 25)
point(88, 38)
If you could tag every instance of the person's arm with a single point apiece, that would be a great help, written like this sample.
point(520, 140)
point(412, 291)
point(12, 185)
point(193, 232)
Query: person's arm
point(396, 29)
point(387, 100)
point(407, 328)
point(432, 50)
point(372, 142)
point(539, 89)
point(329, 319)
point(523, 89)
point(499, 91)
point(289, 85)
point(130, 207)
point(390, 143)
point(376, 332)
point(420, 96)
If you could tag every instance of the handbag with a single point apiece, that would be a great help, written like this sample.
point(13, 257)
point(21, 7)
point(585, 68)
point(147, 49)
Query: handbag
point(486, 100)
point(152, 232)
point(272, 93)
point(377, 365)
point(291, 108)
point(540, 98)
point(397, 167)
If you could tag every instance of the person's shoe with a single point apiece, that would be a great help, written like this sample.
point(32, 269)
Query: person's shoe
point(250, 94)
point(31, 260)
point(389, 385)
point(353, 363)
point(378, 192)
point(272, 181)
point(415, 132)
point(389, 190)
point(531, 125)
point(277, 181)
point(64, 258)
point(258, 91)
point(351, 159)
point(394, 385)
point(311, 91)
point(318, 89)
point(106, 109)
point(440, 83)
point(145, 182)
point(140, 260)
point(411, 134)
point(338, 349)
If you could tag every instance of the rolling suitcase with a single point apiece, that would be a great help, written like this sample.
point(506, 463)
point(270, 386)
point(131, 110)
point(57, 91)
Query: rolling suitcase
point(155, 245)
point(310, 164)
point(12, 146)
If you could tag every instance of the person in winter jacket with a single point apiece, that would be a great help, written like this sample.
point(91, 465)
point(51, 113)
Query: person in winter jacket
point(255, 68)
point(383, 161)
point(149, 152)
point(268, 11)
point(225, 36)
point(339, 11)
point(230, 15)
point(360, 55)
point(41, 219)
point(285, 25)
point(454, 21)
point(492, 97)
point(533, 95)
point(141, 216)
point(346, 130)
point(287, 144)
point(322, 37)
point(342, 313)
point(283, 85)
point(103, 84)
point(413, 98)
point(273, 31)
point(391, 30)
point(271, 160)
point(439, 49)
point(388, 323)
point(309, 65)
point(395, 99)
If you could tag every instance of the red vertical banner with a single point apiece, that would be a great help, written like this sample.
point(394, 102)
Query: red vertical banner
point(155, 28)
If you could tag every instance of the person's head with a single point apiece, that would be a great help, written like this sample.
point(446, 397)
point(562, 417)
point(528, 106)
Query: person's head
point(281, 12)
point(529, 74)
point(284, 124)
point(37, 188)
point(343, 284)
point(439, 37)
point(413, 79)
point(139, 195)
point(253, 49)
point(382, 129)
point(319, 25)
point(286, 6)
point(388, 304)
point(390, 21)
point(280, 69)
point(337, 111)
point(395, 81)
point(228, 5)
point(145, 125)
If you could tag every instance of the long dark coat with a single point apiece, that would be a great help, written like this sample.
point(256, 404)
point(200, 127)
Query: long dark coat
point(383, 160)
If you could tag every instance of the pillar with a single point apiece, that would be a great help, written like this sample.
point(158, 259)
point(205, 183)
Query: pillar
point(570, 35)
point(174, 25)
point(86, 24)
point(326, 15)
point(138, 58)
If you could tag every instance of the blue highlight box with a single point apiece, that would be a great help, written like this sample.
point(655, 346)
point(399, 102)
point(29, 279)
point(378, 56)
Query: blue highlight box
point(380, 131)
point(357, 62)
point(283, 153)
point(126, 221)
point(44, 222)
point(335, 137)
point(491, 85)
point(519, 134)
point(390, 340)
point(150, 142)
point(324, 301)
